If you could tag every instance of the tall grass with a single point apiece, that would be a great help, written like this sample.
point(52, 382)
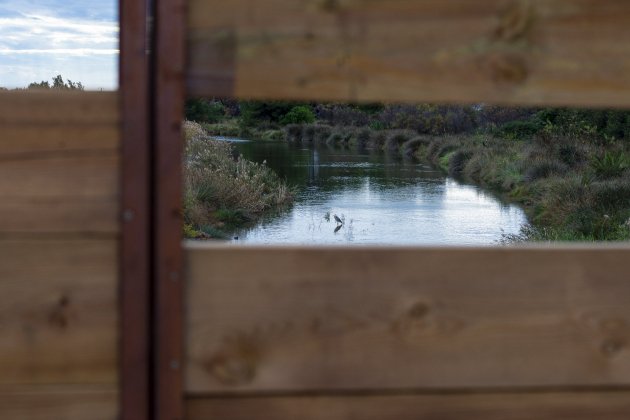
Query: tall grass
point(222, 190)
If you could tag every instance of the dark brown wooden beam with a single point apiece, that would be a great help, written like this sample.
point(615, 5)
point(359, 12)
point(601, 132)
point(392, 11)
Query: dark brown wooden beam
point(134, 213)
point(168, 113)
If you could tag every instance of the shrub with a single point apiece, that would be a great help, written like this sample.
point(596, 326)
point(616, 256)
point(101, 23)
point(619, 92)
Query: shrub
point(204, 111)
point(229, 128)
point(300, 114)
point(515, 130)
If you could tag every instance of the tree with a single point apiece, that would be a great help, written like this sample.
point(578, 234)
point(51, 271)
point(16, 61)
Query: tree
point(58, 83)
point(40, 85)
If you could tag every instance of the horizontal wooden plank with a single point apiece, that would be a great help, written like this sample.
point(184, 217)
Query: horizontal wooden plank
point(564, 52)
point(22, 141)
point(276, 319)
point(59, 162)
point(56, 108)
point(76, 402)
point(58, 313)
point(71, 193)
point(543, 406)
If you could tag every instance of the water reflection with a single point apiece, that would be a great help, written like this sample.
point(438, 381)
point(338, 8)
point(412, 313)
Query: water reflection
point(379, 199)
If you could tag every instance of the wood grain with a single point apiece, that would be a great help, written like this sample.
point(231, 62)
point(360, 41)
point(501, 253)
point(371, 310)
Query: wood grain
point(54, 108)
point(24, 141)
point(73, 402)
point(503, 406)
point(292, 319)
point(59, 163)
point(58, 312)
point(564, 52)
point(60, 194)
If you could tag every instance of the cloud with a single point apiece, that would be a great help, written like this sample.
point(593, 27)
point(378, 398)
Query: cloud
point(52, 32)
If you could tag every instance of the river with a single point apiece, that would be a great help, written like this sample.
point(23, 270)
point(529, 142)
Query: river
point(381, 199)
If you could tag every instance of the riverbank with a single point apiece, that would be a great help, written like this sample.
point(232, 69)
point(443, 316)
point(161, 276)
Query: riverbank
point(567, 167)
point(573, 187)
point(222, 191)
point(236, 129)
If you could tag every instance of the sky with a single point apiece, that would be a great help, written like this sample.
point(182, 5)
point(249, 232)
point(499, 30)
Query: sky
point(40, 39)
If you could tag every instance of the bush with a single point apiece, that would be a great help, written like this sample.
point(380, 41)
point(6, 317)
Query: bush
point(229, 128)
point(516, 130)
point(204, 111)
point(300, 114)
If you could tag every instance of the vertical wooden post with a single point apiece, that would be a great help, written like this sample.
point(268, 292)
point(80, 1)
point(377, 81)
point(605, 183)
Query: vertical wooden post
point(134, 212)
point(168, 113)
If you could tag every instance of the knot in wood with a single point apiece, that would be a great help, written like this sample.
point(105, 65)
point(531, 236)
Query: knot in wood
point(515, 22)
point(233, 369)
point(330, 6)
point(59, 316)
point(508, 69)
point(418, 310)
point(611, 347)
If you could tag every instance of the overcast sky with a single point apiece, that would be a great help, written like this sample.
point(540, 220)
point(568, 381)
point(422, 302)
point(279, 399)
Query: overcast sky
point(75, 38)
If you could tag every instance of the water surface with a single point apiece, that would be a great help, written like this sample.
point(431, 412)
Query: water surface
point(381, 199)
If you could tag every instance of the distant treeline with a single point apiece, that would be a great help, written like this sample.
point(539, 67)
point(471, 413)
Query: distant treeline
point(506, 122)
point(57, 83)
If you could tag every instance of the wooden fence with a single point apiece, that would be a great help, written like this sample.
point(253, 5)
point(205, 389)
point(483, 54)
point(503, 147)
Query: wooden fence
point(105, 314)
point(59, 165)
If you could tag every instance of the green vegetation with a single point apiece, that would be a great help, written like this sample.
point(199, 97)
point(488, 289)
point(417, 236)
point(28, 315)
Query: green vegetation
point(252, 120)
point(222, 192)
point(568, 168)
point(57, 83)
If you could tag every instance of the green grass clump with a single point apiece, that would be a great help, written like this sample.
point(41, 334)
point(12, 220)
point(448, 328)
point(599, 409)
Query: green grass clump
point(610, 164)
